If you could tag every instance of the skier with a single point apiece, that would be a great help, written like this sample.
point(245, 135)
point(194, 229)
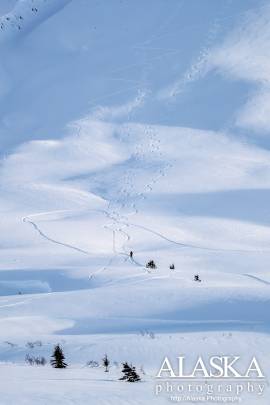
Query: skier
point(131, 254)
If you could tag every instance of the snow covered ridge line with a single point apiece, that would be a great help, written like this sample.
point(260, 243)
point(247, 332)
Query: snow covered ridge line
point(26, 15)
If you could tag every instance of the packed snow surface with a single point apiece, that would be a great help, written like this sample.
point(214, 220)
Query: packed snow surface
point(131, 126)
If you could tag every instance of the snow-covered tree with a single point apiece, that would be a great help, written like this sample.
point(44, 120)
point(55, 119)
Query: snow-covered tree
point(133, 376)
point(129, 373)
point(125, 370)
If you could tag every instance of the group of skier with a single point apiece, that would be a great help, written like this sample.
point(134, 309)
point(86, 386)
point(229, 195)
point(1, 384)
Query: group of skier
point(172, 267)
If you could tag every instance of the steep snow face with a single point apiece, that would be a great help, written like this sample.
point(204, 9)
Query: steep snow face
point(68, 57)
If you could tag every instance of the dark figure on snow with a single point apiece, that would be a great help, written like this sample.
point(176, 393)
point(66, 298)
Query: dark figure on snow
point(151, 265)
point(197, 278)
point(131, 254)
point(106, 363)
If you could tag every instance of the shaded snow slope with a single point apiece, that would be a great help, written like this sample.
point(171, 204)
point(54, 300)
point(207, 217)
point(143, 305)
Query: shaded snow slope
point(131, 126)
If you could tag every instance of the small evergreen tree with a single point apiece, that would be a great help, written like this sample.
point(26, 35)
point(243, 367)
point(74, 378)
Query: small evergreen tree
point(125, 370)
point(133, 376)
point(58, 358)
point(106, 363)
point(130, 373)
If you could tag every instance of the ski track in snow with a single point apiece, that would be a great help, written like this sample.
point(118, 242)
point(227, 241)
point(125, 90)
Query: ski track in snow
point(119, 221)
point(198, 247)
point(114, 213)
point(67, 245)
point(260, 280)
point(15, 304)
point(114, 208)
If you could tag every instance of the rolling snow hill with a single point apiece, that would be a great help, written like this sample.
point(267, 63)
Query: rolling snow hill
point(131, 126)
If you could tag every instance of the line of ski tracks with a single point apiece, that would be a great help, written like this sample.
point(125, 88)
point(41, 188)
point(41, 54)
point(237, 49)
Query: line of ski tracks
point(127, 236)
point(114, 210)
point(76, 248)
point(120, 223)
point(41, 233)
point(126, 254)
point(260, 280)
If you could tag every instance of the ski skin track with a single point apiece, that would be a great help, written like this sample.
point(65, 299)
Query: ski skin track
point(181, 244)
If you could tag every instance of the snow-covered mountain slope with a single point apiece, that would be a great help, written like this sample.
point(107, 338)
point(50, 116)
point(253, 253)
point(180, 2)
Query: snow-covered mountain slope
point(133, 126)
